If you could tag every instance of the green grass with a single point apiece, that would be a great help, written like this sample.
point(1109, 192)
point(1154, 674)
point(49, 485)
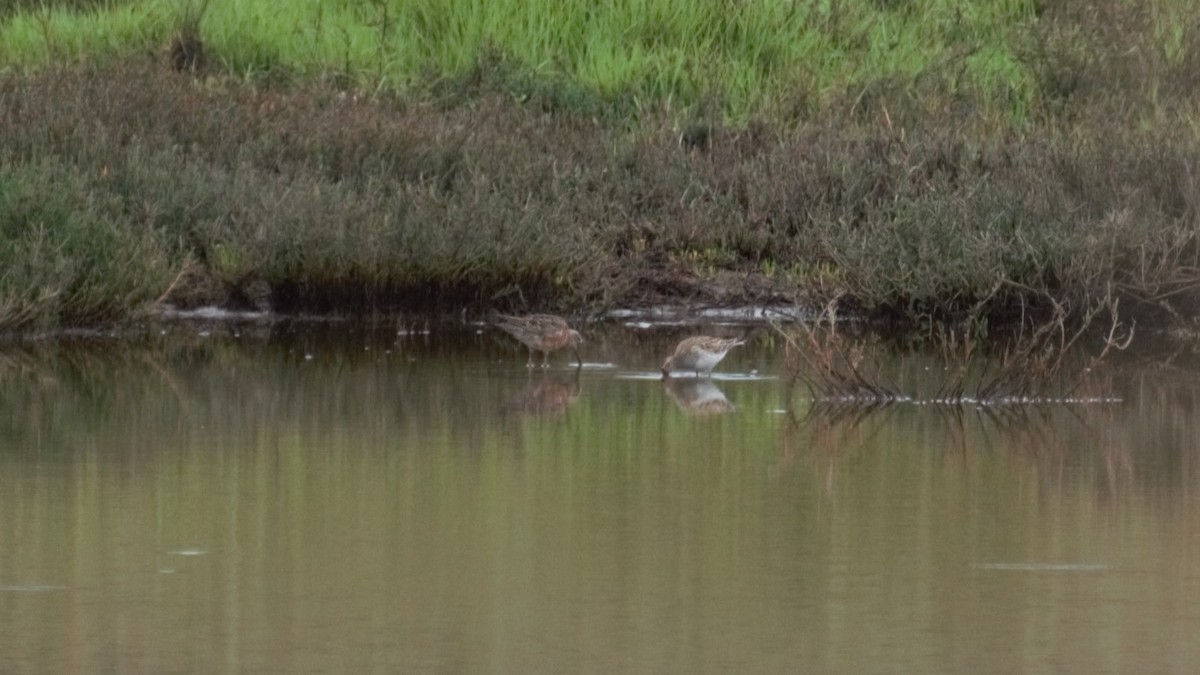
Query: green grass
point(920, 158)
point(751, 56)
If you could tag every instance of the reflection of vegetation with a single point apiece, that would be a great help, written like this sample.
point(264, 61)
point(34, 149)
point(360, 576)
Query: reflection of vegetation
point(380, 385)
point(411, 399)
point(383, 468)
point(1035, 364)
point(1110, 451)
point(62, 391)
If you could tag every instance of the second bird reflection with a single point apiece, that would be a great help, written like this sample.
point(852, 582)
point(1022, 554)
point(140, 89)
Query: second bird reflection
point(697, 396)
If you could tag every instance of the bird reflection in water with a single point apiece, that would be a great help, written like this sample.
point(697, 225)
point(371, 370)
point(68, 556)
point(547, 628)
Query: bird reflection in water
point(544, 395)
point(697, 396)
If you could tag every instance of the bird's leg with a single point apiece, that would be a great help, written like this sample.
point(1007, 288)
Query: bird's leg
point(545, 361)
point(529, 363)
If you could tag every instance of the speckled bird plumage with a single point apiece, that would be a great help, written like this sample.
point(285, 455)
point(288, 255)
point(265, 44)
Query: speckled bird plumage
point(699, 354)
point(543, 333)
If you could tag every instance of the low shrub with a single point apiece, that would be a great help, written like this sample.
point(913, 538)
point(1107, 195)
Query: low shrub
point(134, 172)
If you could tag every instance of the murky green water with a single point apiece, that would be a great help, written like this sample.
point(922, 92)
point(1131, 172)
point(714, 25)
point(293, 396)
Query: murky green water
point(340, 499)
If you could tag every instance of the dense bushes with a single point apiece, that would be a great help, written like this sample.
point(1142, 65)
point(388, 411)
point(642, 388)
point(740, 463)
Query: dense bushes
point(907, 196)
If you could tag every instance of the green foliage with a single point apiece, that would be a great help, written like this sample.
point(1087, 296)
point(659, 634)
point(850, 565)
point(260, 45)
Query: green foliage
point(12, 7)
point(67, 257)
point(919, 158)
point(759, 55)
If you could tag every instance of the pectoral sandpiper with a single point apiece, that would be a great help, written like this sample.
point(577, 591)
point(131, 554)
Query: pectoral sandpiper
point(543, 333)
point(699, 354)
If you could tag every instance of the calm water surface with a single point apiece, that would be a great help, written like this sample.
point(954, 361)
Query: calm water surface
point(300, 499)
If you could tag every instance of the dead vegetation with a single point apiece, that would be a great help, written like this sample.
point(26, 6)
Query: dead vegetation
point(1036, 361)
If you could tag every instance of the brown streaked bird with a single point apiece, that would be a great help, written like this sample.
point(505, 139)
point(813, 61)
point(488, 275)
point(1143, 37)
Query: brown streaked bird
point(542, 333)
point(699, 354)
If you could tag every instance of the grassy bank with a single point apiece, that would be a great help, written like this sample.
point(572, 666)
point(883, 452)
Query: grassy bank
point(452, 163)
point(745, 56)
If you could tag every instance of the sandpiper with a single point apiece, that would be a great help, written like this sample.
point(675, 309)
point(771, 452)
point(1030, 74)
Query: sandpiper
point(700, 354)
point(543, 333)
